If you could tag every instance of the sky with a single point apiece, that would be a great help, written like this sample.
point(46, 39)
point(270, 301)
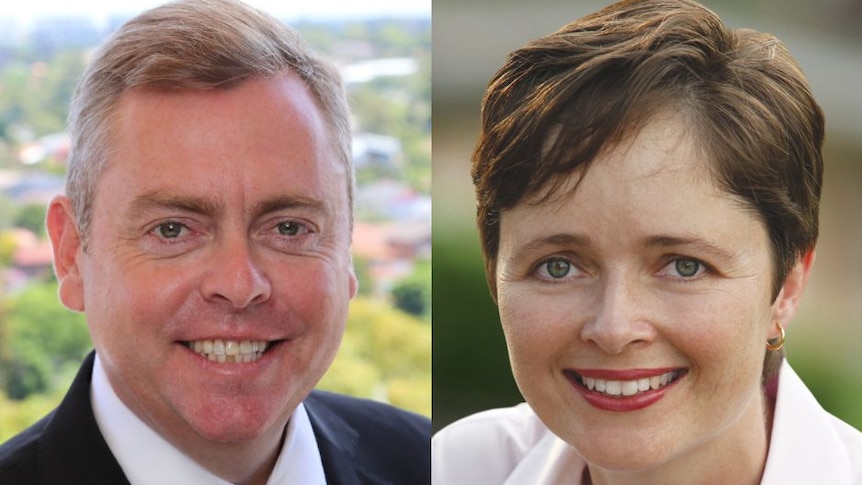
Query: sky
point(289, 10)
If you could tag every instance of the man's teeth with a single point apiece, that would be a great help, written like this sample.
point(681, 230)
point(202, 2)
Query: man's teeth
point(230, 351)
point(628, 388)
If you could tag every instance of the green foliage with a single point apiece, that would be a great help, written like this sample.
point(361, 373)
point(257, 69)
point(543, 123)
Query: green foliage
point(44, 340)
point(400, 107)
point(832, 379)
point(413, 294)
point(7, 248)
point(386, 355)
point(7, 211)
point(27, 372)
point(363, 276)
point(36, 95)
point(471, 365)
point(32, 217)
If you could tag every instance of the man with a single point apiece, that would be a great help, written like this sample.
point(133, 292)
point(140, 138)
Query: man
point(206, 236)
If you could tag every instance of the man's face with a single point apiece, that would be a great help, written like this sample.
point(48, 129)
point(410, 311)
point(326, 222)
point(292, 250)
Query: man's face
point(220, 226)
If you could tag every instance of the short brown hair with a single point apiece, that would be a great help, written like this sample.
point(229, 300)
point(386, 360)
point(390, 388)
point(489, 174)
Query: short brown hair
point(558, 101)
point(190, 44)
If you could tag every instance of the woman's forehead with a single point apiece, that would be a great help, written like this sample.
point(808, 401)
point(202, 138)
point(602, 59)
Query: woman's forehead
point(664, 143)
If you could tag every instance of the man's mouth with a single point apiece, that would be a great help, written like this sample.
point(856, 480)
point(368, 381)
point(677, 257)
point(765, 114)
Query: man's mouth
point(630, 387)
point(229, 351)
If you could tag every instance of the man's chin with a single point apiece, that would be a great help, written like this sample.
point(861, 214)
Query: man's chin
point(238, 431)
point(237, 420)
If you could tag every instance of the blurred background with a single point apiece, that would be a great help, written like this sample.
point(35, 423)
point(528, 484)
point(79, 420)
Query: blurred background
point(383, 48)
point(471, 40)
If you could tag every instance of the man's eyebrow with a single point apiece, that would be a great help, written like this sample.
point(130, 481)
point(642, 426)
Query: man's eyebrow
point(289, 202)
point(692, 242)
point(161, 200)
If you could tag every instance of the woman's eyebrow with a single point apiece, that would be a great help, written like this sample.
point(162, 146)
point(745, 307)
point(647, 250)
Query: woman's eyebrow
point(553, 240)
point(700, 244)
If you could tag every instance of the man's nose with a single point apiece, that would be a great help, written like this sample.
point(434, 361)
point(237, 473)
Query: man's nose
point(235, 276)
point(620, 318)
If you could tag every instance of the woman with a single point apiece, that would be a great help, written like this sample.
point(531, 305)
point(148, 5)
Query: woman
point(648, 187)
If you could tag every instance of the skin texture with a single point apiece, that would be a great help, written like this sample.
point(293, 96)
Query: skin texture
point(222, 214)
point(622, 246)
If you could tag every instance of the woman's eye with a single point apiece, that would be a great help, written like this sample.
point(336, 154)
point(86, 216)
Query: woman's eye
point(170, 230)
point(685, 268)
point(555, 269)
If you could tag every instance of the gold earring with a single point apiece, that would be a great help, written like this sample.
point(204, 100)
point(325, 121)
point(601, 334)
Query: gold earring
point(779, 342)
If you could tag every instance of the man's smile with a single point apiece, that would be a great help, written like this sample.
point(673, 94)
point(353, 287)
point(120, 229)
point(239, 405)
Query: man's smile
point(229, 351)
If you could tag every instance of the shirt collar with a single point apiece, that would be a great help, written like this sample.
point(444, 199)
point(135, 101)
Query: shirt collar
point(804, 446)
point(147, 458)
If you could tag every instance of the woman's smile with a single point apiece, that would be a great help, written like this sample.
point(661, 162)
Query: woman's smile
point(626, 390)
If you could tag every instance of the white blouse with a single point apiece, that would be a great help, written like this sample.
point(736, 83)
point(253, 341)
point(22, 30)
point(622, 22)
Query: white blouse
point(511, 446)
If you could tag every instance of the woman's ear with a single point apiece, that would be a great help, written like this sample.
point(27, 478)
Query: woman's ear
point(786, 304)
point(66, 242)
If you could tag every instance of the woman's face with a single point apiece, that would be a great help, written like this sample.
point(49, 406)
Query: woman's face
point(637, 308)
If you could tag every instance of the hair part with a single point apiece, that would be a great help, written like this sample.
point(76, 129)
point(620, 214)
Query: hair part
point(563, 98)
point(190, 44)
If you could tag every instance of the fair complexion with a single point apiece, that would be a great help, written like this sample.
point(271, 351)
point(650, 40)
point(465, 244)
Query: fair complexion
point(222, 216)
point(646, 271)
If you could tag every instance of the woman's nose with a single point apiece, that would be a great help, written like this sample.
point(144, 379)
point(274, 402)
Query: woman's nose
point(620, 316)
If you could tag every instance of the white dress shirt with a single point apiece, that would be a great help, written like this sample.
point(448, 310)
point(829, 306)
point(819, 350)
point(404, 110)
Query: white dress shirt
point(146, 458)
point(511, 446)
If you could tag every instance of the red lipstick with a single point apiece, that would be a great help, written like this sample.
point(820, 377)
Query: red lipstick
point(607, 389)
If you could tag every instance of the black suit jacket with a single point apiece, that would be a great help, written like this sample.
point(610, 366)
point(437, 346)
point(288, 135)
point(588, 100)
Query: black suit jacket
point(360, 442)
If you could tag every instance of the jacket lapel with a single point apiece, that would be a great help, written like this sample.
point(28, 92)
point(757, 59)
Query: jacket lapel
point(71, 449)
point(337, 442)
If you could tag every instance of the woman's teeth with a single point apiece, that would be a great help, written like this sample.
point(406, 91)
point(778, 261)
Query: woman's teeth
point(628, 388)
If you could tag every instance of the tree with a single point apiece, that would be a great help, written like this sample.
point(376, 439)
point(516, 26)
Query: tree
point(31, 217)
point(46, 341)
point(385, 355)
point(413, 293)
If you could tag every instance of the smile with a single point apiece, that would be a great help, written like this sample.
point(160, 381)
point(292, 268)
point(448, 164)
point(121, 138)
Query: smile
point(624, 390)
point(229, 351)
point(630, 387)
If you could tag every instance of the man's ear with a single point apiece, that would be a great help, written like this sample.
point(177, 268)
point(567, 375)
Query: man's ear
point(785, 305)
point(66, 242)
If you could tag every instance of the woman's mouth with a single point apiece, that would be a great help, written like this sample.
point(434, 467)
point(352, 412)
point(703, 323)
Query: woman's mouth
point(622, 391)
point(628, 387)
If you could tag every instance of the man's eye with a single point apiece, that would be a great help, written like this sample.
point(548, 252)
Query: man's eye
point(170, 230)
point(687, 267)
point(290, 228)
